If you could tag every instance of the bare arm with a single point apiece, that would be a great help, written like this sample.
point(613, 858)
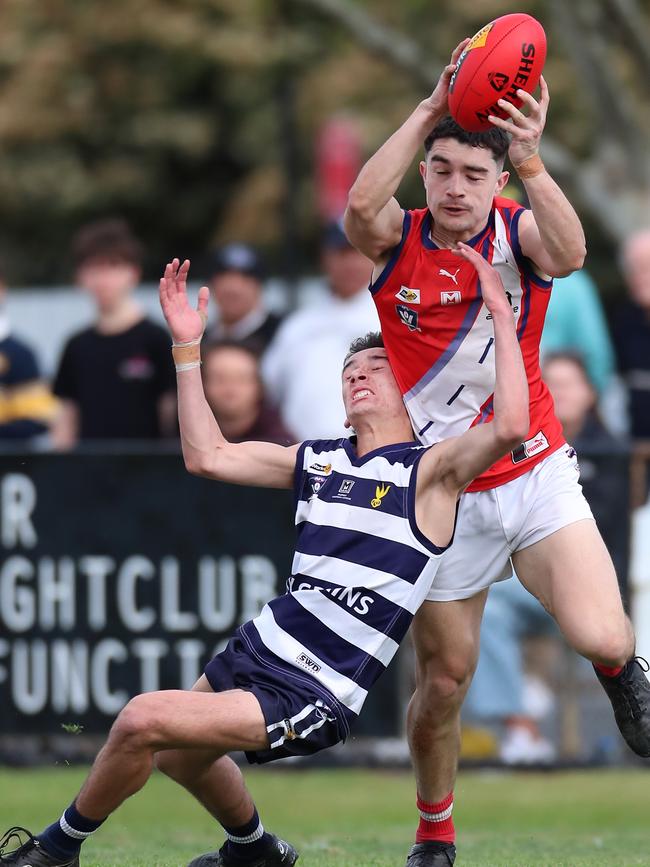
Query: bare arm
point(205, 449)
point(551, 236)
point(456, 462)
point(373, 218)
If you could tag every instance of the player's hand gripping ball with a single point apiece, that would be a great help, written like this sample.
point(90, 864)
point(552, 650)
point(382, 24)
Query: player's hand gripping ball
point(506, 55)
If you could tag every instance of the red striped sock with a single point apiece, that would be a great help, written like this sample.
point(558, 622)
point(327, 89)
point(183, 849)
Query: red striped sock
point(435, 821)
point(608, 672)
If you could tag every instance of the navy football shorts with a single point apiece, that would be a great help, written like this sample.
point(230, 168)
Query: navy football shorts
point(301, 716)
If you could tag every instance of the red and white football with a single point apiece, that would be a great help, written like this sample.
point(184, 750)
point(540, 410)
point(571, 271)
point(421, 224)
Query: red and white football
point(505, 55)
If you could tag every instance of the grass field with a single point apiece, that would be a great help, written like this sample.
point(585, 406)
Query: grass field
point(366, 818)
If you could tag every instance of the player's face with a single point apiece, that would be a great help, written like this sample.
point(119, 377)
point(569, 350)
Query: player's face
point(108, 282)
point(370, 389)
point(460, 182)
point(236, 295)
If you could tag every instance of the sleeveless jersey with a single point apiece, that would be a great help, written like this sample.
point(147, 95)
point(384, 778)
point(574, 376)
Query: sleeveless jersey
point(361, 568)
point(439, 335)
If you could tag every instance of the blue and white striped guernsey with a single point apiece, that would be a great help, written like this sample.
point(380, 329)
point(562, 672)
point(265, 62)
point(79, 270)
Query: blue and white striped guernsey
point(361, 569)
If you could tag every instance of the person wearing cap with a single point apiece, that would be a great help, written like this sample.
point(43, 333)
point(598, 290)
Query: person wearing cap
point(300, 367)
point(236, 275)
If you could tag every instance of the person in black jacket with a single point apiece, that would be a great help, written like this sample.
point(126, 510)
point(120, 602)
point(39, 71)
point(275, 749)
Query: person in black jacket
point(603, 458)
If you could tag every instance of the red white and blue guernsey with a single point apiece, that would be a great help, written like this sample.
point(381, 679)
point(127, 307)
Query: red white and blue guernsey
point(439, 335)
point(361, 570)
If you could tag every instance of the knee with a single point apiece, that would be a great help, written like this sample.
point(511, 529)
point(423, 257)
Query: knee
point(441, 686)
point(135, 726)
point(613, 648)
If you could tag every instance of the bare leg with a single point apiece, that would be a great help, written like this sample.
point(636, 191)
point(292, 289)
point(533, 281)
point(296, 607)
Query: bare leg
point(572, 575)
point(170, 719)
point(215, 780)
point(446, 637)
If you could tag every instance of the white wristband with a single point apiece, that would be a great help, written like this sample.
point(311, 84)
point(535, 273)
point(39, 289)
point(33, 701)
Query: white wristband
point(188, 342)
point(189, 365)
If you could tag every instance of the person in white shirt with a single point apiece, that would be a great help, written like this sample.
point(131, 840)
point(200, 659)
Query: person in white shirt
point(301, 366)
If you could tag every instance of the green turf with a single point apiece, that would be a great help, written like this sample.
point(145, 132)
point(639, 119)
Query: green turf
point(366, 818)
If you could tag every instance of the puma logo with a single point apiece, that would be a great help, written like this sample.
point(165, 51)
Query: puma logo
point(444, 273)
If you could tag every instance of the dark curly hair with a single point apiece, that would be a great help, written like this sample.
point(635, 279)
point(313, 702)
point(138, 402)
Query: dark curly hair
point(495, 139)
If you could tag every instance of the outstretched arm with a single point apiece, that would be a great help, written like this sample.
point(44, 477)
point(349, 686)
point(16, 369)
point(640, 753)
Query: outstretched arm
point(456, 462)
point(551, 236)
point(205, 449)
point(373, 218)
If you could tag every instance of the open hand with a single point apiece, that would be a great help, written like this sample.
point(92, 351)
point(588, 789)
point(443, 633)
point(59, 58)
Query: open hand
point(526, 130)
point(437, 102)
point(185, 323)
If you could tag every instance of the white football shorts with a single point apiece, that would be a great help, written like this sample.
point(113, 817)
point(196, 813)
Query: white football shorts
point(493, 524)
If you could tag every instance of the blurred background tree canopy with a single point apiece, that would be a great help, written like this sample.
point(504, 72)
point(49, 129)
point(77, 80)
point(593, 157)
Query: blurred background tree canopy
point(196, 119)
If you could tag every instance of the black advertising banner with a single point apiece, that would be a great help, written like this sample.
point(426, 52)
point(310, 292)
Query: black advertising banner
point(122, 573)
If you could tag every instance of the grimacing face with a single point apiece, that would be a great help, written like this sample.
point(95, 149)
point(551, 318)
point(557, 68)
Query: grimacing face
point(460, 182)
point(369, 386)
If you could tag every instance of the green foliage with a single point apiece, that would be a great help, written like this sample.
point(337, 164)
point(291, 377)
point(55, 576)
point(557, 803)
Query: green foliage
point(170, 112)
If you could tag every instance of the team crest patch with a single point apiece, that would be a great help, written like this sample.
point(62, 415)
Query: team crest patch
point(409, 317)
point(411, 296)
point(380, 493)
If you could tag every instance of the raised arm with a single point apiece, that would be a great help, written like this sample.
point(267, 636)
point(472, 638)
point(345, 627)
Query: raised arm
point(457, 461)
point(205, 449)
point(551, 234)
point(373, 218)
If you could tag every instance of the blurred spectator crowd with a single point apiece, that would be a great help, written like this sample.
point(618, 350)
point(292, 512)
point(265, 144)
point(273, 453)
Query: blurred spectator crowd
point(276, 378)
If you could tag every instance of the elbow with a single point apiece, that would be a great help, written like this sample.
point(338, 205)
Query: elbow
point(199, 465)
point(572, 262)
point(359, 206)
point(513, 432)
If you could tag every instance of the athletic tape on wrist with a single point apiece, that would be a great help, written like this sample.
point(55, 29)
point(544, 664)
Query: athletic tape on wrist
point(190, 365)
point(530, 168)
point(185, 353)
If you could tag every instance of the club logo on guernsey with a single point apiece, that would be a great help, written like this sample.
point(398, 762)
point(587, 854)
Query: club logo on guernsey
point(380, 493)
point(408, 317)
point(411, 296)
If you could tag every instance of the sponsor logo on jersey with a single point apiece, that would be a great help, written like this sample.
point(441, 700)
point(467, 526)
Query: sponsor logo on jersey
point(345, 489)
point(352, 597)
point(530, 448)
point(380, 493)
point(307, 662)
point(453, 297)
point(515, 308)
point(408, 317)
point(444, 273)
point(412, 296)
point(323, 469)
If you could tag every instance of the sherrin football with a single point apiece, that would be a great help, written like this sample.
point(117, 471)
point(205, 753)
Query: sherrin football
point(505, 55)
